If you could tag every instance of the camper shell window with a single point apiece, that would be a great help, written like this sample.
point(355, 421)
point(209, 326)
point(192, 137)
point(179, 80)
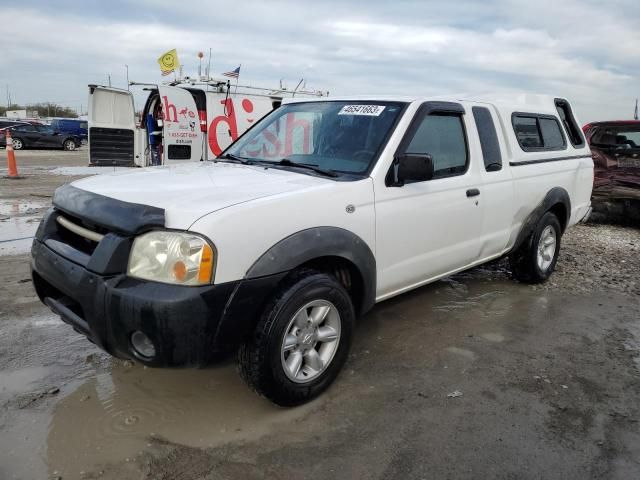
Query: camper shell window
point(569, 122)
point(537, 132)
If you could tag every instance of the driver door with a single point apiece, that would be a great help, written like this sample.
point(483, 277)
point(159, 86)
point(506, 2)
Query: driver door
point(47, 138)
point(427, 229)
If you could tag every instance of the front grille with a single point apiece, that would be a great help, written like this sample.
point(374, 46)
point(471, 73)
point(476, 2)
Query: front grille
point(111, 146)
point(75, 240)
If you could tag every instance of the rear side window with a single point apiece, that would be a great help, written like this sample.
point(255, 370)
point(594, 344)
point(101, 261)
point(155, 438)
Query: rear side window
point(488, 139)
point(442, 137)
point(569, 123)
point(536, 132)
point(551, 134)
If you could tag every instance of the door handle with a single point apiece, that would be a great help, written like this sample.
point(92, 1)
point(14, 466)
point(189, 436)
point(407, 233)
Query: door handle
point(473, 192)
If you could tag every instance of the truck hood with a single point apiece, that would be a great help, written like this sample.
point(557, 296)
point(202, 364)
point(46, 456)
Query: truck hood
point(188, 192)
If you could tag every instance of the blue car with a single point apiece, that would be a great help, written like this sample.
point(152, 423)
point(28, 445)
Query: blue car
point(71, 126)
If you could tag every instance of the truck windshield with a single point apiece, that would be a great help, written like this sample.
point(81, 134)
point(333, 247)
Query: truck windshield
point(335, 136)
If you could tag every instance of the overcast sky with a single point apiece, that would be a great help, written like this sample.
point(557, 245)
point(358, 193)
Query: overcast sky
point(588, 51)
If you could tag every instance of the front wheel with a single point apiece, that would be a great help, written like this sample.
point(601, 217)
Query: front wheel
point(535, 260)
point(17, 143)
point(301, 341)
point(69, 145)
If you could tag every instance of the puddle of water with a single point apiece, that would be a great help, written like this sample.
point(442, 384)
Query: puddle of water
point(633, 343)
point(16, 234)
point(462, 352)
point(20, 381)
point(20, 207)
point(493, 337)
point(112, 416)
point(19, 220)
point(110, 413)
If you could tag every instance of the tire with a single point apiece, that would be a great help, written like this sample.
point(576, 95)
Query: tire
point(69, 145)
point(18, 144)
point(278, 341)
point(535, 260)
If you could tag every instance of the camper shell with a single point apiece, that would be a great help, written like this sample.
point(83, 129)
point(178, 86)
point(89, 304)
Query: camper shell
point(183, 121)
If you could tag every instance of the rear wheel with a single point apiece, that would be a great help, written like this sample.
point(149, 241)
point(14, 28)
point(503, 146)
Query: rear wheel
point(17, 143)
point(535, 260)
point(69, 145)
point(301, 341)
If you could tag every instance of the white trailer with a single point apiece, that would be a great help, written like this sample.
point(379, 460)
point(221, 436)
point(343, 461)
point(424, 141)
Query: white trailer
point(194, 121)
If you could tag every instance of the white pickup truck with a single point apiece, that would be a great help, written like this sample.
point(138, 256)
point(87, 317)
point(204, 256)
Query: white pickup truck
point(320, 210)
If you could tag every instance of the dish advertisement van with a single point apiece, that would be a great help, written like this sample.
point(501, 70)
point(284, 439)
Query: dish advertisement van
point(180, 122)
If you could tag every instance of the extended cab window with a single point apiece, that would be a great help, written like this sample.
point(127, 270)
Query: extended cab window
point(538, 132)
point(442, 136)
point(488, 139)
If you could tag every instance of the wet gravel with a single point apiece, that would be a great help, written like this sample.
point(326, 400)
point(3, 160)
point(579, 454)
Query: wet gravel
point(594, 257)
point(598, 257)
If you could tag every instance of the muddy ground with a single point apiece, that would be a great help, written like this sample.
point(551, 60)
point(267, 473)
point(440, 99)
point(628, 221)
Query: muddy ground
point(474, 377)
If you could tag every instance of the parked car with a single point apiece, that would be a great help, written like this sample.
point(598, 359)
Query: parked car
point(40, 136)
point(318, 212)
point(4, 124)
point(70, 126)
point(616, 156)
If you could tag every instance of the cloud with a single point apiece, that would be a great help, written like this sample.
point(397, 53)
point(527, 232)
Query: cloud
point(586, 50)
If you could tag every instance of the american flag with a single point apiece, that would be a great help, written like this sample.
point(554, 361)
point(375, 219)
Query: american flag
point(233, 73)
point(165, 73)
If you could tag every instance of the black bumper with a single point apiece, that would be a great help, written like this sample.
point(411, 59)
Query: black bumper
point(189, 326)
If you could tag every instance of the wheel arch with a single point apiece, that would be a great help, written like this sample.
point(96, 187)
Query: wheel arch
point(328, 249)
point(558, 202)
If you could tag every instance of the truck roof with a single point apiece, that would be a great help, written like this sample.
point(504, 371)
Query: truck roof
point(539, 103)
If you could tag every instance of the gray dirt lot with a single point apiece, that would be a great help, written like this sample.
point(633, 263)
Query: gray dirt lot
point(549, 378)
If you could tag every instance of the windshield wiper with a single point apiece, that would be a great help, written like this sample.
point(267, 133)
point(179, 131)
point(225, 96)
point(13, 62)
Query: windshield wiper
point(236, 158)
point(285, 162)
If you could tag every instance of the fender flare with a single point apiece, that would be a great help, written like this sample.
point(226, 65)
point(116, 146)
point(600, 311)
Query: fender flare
point(556, 195)
point(306, 245)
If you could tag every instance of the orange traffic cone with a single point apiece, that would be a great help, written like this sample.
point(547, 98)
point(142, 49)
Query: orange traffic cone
point(12, 167)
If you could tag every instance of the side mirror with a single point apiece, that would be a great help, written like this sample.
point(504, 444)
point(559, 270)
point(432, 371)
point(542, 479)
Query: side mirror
point(410, 167)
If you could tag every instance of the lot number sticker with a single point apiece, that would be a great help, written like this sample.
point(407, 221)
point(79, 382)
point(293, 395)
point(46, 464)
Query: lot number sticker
point(370, 110)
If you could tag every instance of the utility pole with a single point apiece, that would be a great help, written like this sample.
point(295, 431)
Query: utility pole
point(635, 113)
point(109, 75)
point(127, 67)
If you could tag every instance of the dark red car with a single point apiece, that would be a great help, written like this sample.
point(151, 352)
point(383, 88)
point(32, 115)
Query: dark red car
point(616, 156)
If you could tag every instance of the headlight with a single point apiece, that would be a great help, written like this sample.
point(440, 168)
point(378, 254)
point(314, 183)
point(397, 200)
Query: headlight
point(172, 257)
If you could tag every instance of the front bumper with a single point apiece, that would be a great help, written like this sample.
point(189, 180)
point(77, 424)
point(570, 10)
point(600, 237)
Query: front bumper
point(189, 326)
